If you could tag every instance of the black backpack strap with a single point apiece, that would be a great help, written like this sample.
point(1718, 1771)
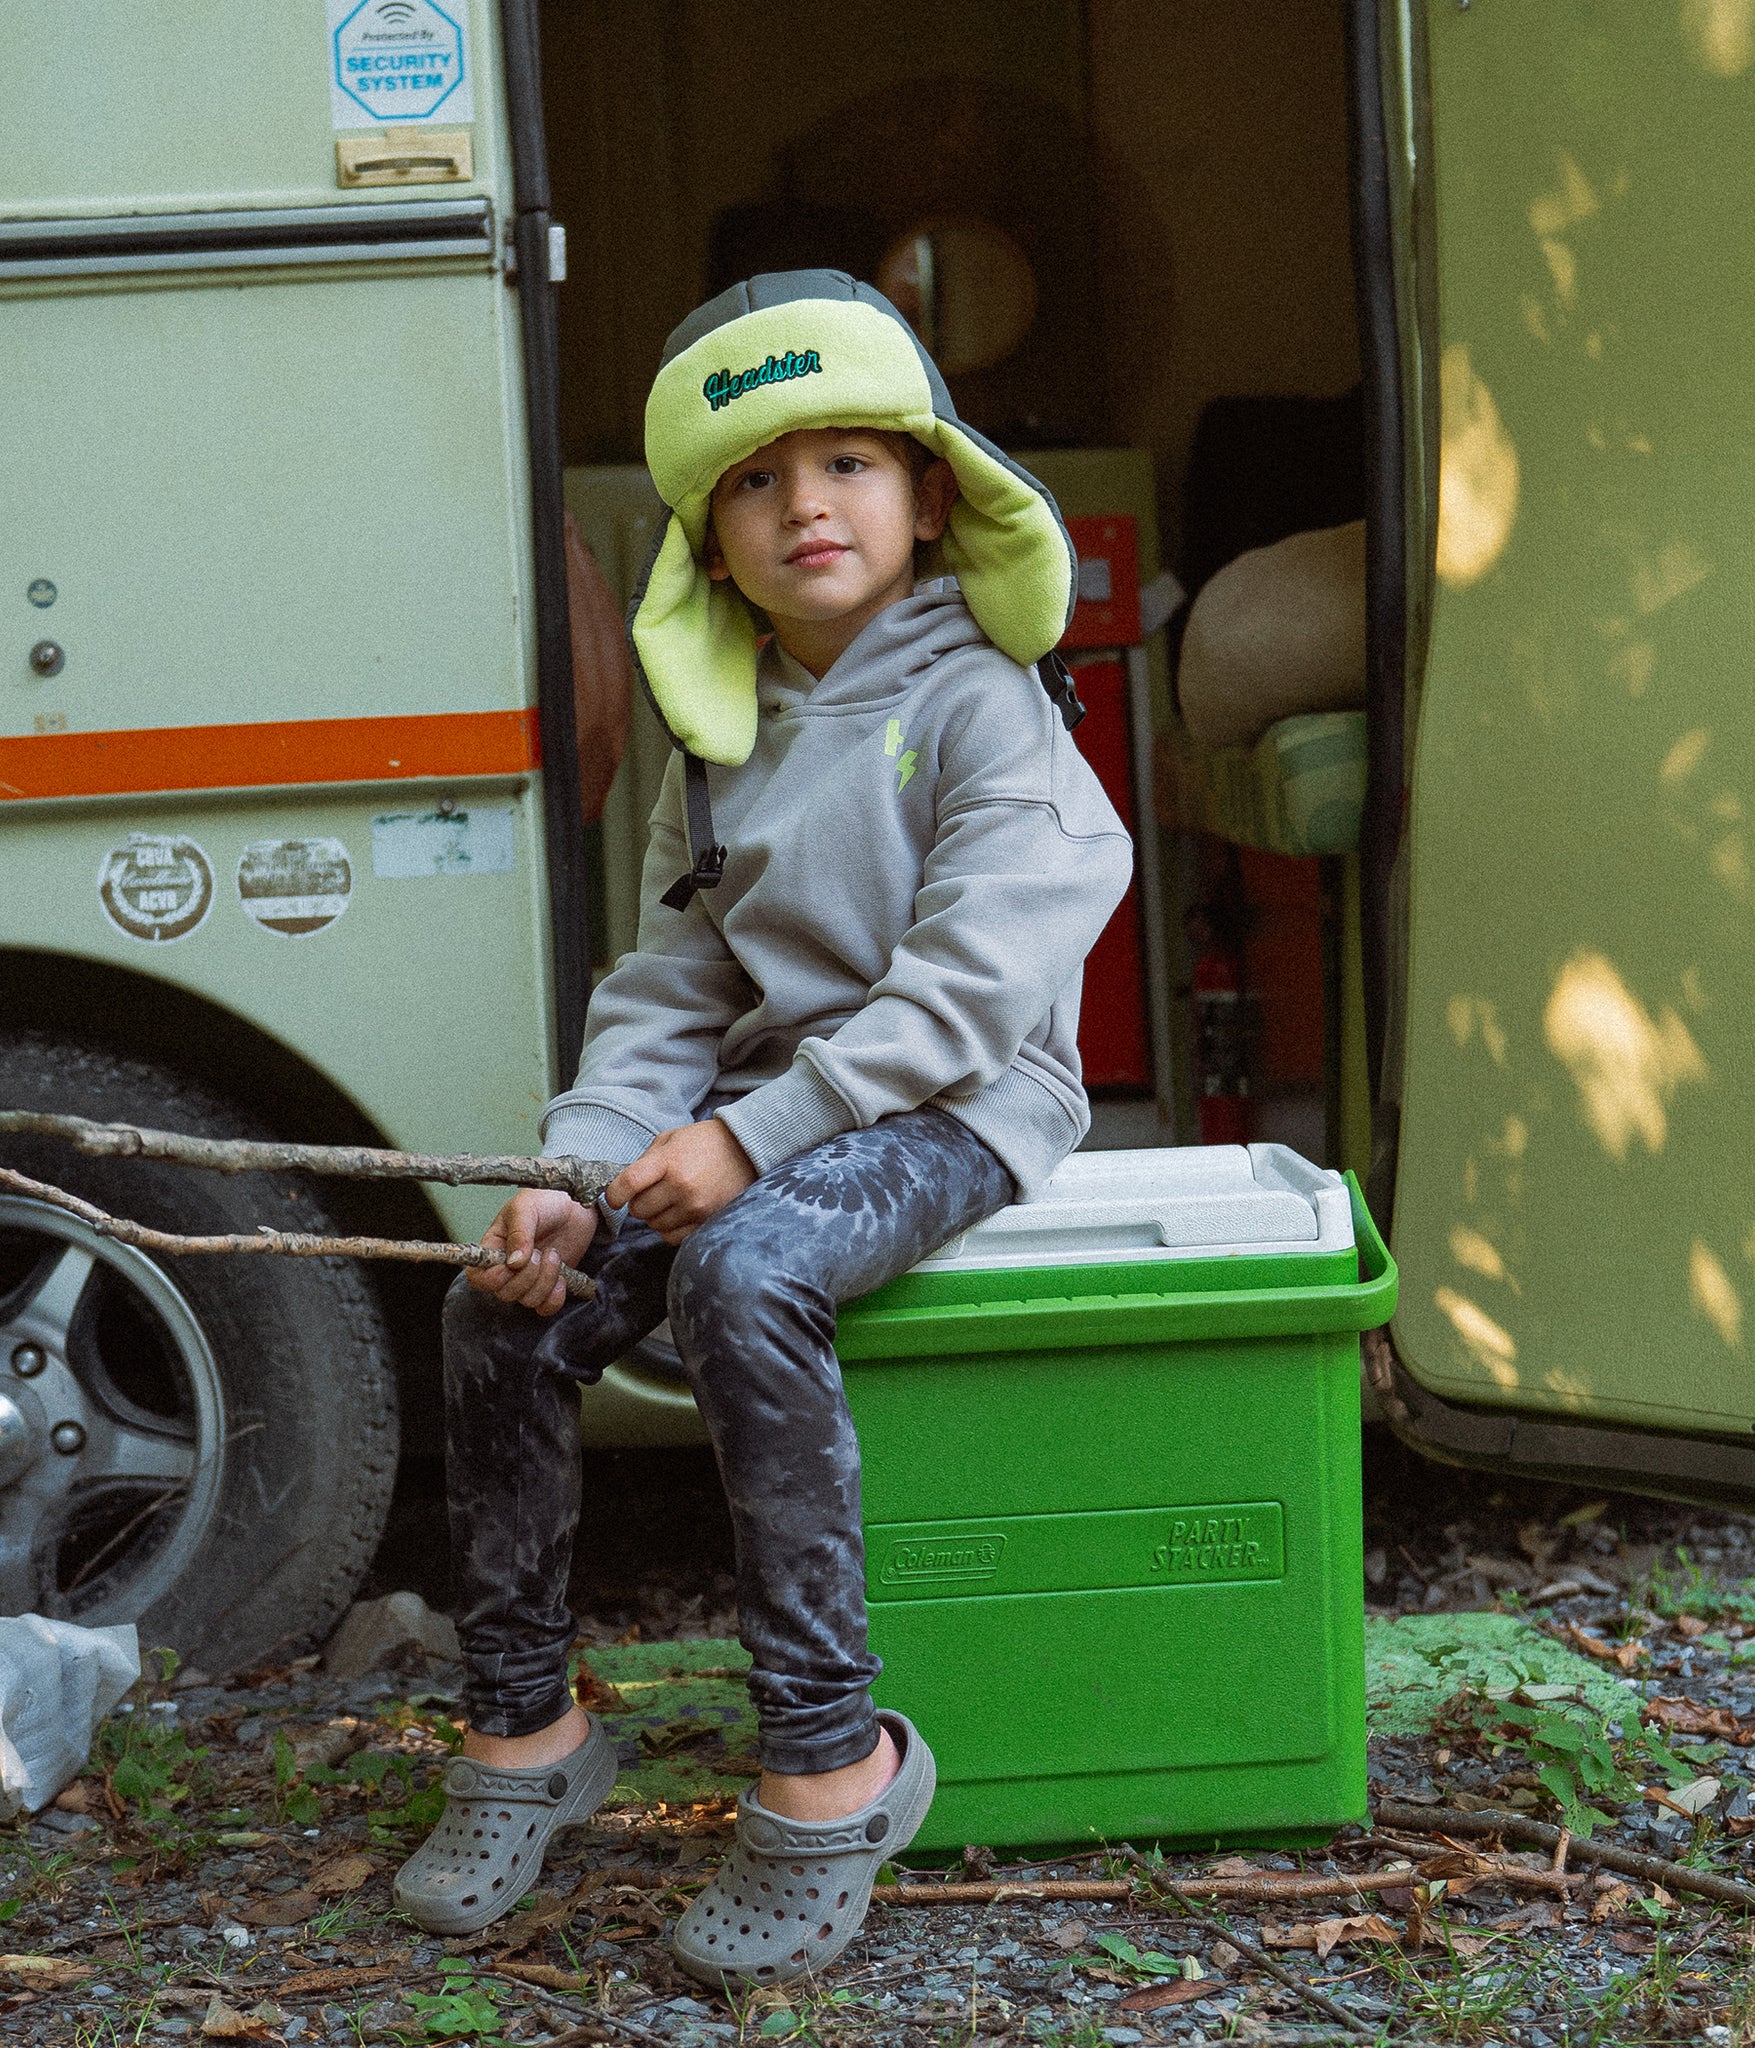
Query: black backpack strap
point(1057, 681)
point(705, 851)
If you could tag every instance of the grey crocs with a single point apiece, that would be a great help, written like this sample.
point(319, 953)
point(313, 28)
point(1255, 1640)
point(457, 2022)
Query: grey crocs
point(487, 1849)
point(793, 1893)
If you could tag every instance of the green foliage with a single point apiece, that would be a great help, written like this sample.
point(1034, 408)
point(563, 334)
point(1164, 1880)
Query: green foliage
point(1151, 1964)
point(465, 2010)
point(145, 1758)
point(1576, 1758)
point(1686, 1588)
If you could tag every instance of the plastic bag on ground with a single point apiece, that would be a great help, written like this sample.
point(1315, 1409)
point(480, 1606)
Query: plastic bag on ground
point(57, 1682)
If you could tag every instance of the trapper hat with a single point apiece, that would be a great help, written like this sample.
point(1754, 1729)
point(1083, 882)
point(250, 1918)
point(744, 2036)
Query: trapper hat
point(816, 348)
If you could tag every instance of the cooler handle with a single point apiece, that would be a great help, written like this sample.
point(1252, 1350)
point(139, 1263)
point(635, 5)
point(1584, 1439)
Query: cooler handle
point(1380, 1280)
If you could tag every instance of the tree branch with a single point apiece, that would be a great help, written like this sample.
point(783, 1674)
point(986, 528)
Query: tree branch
point(292, 1244)
point(583, 1179)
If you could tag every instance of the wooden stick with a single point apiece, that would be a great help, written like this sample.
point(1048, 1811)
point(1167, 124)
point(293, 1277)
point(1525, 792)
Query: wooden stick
point(1427, 1820)
point(583, 1179)
point(292, 1244)
point(1270, 1888)
point(985, 1894)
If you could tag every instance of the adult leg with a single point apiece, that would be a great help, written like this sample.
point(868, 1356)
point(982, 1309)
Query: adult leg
point(753, 1296)
point(512, 1472)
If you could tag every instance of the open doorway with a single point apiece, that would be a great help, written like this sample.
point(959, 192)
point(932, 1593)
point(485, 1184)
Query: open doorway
point(1123, 228)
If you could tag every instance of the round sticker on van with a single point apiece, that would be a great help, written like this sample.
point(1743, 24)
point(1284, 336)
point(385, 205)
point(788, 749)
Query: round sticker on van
point(295, 886)
point(156, 888)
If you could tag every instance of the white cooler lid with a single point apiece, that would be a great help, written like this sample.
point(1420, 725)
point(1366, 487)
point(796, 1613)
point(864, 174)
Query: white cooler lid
point(1172, 1202)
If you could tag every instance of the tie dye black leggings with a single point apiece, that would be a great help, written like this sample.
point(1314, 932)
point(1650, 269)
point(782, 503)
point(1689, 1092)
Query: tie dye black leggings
point(751, 1298)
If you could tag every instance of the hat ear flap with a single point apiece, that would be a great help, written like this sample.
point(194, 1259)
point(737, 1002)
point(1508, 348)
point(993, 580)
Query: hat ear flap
point(696, 644)
point(1006, 545)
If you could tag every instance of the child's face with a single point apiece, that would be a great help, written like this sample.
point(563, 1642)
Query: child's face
point(818, 528)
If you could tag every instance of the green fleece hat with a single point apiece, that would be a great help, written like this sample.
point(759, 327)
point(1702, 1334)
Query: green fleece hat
point(815, 348)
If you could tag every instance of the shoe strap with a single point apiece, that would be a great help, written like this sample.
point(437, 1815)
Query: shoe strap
point(535, 1786)
point(772, 1834)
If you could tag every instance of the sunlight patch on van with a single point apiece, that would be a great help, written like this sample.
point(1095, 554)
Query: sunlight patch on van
point(1477, 475)
point(1493, 1347)
point(1572, 200)
point(1464, 1013)
point(1671, 573)
point(1713, 1295)
point(1685, 756)
point(1480, 1255)
point(1720, 35)
point(1730, 862)
point(1627, 1068)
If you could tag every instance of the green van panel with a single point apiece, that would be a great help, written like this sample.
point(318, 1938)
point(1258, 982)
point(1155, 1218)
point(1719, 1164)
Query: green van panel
point(1574, 1214)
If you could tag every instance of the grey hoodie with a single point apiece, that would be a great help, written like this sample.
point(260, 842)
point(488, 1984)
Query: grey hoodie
point(919, 859)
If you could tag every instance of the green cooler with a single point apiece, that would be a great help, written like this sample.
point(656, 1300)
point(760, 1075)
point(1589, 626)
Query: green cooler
point(1112, 1516)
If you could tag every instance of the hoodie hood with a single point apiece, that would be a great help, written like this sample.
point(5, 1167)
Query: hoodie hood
point(816, 348)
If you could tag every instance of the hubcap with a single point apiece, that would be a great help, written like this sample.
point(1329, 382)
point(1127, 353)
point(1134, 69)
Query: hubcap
point(112, 1435)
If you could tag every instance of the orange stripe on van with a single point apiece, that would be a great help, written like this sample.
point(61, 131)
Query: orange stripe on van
point(285, 753)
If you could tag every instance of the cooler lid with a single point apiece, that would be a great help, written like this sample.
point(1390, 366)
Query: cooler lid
point(1171, 1202)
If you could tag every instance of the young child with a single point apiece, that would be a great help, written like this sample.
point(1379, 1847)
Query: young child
point(845, 1035)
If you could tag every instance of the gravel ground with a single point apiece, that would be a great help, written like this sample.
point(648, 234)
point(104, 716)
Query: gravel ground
point(222, 1871)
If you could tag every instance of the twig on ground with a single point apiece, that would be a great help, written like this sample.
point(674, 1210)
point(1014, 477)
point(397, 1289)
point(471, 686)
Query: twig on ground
point(1256, 1958)
point(987, 1894)
point(591, 2030)
point(583, 1179)
point(1269, 1888)
point(1428, 1820)
point(292, 1244)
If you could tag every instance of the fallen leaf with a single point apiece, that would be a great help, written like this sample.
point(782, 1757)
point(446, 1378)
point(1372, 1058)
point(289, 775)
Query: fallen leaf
point(1538, 1913)
point(1690, 1626)
point(1688, 1717)
point(1690, 1800)
point(597, 1696)
point(545, 1975)
point(675, 1735)
point(225, 2023)
point(244, 1838)
point(1235, 1866)
point(1625, 1655)
point(1326, 1935)
point(45, 1973)
point(1469, 1944)
point(1225, 1957)
point(340, 1875)
point(1069, 1934)
point(79, 1797)
point(310, 1983)
point(1633, 1941)
point(1610, 1904)
point(290, 1909)
point(1177, 1991)
point(550, 1910)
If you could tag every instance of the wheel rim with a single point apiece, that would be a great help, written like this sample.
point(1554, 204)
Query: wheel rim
point(112, 1422)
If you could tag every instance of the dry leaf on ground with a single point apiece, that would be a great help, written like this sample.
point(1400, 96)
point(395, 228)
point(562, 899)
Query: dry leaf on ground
point(1689, 1626)
point(1687, 1717)
point(316, 1983)
point(1633, 1941)
point(1326, 1935)
point(1069, 1935)
point(1610, 1904)
point(225, 2023)
point(1538, 1913)
point(1626, 1655)
point(289, 1909)
point(1235, 1866)
point(1178, 1991)
point(340, 1875)
point(44, 1973)
point(545, 1975)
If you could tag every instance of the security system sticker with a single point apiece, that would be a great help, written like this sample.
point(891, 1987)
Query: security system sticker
point(398, 62)
point(407, 845)
point(295, 886)
point(156, 888)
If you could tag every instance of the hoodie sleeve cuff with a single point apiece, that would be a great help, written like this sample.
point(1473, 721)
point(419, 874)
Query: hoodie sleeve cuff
point(586, 1130)
point(787, 1116)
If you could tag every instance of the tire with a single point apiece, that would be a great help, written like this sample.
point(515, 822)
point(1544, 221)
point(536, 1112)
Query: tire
point(227, 1477)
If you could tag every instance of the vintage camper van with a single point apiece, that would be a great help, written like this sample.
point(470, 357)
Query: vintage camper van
point(320, 800)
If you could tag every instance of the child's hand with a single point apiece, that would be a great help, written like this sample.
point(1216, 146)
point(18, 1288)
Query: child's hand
point(683, 1177)
point(539, 1230)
